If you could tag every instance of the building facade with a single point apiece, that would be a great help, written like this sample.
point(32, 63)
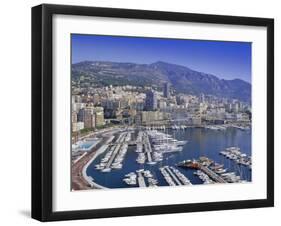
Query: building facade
point(151, 101)
point(166, 90)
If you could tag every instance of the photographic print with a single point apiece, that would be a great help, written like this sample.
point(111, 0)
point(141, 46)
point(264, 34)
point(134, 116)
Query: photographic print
point(150, 112)
point(138, 112)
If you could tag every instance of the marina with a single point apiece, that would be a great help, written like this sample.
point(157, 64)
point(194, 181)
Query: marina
point(115, 156)
point(152, 144)
point(211, 172)
point(132, 153)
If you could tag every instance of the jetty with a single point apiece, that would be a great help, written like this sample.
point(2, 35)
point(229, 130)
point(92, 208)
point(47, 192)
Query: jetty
point(141, 180)
point(194, 164)
point(173, 176)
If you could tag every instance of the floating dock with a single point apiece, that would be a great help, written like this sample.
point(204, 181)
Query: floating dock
point(167, 177)
point(114, 158)
point(141, 180)
point(147, 149)
point(173, 175)
point(211, 174)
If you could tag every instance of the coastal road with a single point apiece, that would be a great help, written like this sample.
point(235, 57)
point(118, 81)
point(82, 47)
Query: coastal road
point(78, 181)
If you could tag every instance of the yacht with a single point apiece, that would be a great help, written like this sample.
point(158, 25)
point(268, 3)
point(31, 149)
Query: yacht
point(106, 170)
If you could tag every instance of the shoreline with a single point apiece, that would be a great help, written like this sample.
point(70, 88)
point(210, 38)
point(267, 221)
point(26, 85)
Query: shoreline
point(89, 179)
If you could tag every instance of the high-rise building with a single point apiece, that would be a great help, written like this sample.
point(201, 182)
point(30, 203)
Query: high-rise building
point(166, 90)
point(81, 115)
point(99, 118)
point(236, 107)
point(88, 118)
point(151, 101)
point(74, 117)
point(202, 98)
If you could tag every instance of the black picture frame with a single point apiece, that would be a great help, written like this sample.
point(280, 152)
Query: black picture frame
point(42, 106)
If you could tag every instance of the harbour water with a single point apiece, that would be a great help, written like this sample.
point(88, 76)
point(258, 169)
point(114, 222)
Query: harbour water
point(201, 142)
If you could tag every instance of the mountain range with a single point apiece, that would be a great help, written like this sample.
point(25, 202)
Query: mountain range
point(181, 78)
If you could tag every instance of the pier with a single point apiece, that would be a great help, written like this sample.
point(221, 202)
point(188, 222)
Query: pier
point(148, 153)
point(181, 176)
point(142, 177)
point(198, 165)
point(147, 148)
point(141, 180)
point(173, 175)
point(112, 157)
point(234, 154)
point(211, 174)
point(167, 177)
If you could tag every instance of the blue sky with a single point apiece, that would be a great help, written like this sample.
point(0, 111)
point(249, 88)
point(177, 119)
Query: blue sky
point(227, 60)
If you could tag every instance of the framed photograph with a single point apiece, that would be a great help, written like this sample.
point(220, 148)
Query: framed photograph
point(146, 112)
